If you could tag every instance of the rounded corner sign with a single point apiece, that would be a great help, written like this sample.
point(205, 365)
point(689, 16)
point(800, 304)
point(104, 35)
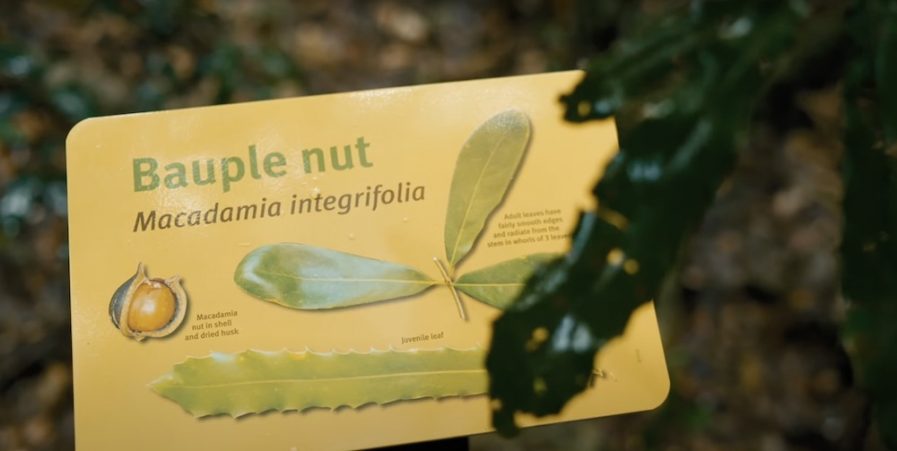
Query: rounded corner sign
point(311, 266)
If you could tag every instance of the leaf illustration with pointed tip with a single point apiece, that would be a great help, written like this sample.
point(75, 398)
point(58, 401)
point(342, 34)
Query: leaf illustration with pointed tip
point(306, 277)
point(498, 285)
point(256, 382)
point(485, 169)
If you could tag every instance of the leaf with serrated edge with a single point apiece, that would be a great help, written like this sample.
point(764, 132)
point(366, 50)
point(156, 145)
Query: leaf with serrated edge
point(256, 382)
point(498, 285)
point(485, 169)
point(306, 277)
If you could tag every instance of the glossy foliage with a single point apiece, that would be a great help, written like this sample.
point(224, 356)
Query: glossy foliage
point(683, 94)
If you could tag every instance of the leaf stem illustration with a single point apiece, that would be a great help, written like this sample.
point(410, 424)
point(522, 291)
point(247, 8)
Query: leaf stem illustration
point(451, 285)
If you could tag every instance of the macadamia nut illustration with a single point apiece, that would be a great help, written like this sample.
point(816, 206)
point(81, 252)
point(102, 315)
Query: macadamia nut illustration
point(143, 307)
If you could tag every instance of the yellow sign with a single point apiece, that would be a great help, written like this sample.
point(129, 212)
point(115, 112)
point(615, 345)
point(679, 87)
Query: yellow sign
point(322, 272)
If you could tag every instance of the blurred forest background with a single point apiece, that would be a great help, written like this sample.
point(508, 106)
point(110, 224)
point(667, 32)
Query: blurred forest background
point(752, 339)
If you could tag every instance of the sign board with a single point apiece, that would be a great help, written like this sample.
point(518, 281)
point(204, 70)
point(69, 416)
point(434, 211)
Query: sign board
point(322, 272)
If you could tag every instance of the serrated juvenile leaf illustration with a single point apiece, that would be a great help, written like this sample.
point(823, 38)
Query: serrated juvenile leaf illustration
point(306, 277)
point(498, 285)
point(485, 169)
point(256, 381)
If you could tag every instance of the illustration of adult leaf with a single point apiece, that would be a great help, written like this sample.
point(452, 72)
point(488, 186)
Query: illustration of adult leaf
point(307, 277)
point(255, 382)
point(484, 170)
point(498, 285)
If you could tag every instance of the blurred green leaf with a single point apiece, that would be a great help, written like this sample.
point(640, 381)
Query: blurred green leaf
point(683, 96)
point(16, 62)
point(886, 72)
point(869, 245)
point(149, 97)
point(275, 64)
point(17, 202)
point(74, 102)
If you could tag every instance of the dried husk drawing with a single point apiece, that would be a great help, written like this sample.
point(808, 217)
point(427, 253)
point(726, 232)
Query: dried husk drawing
point(256, 381)
point(306, 277)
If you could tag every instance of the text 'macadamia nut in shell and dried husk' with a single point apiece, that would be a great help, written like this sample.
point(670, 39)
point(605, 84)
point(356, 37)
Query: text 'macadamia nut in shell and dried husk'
point(143, 307)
